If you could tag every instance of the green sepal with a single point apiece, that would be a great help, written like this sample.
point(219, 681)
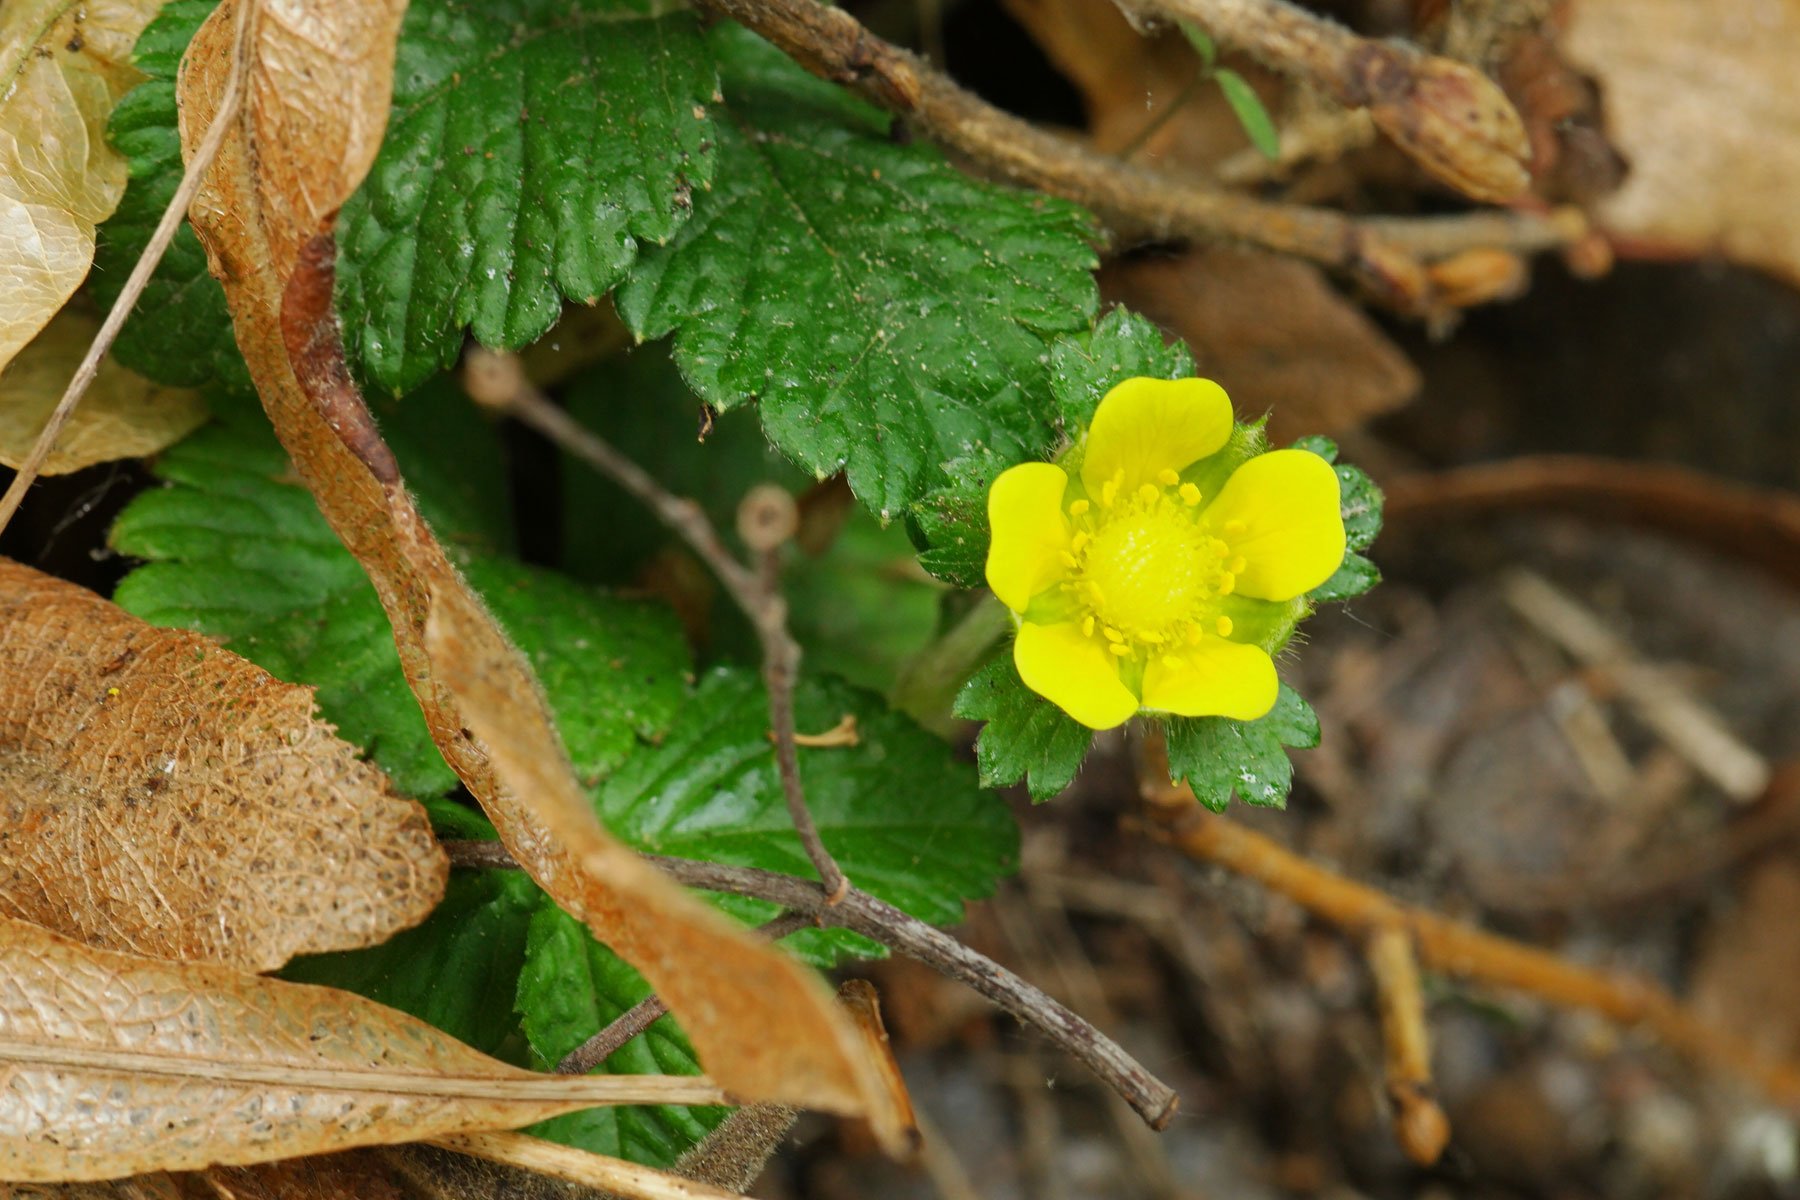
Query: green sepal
point(1218, 756)
point(1026, 737)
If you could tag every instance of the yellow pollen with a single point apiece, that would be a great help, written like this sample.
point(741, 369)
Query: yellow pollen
point(1120, 650)
point(1079, 507)
point(1146, 570)
point(1224, 626)
point(1109, 491)
point(1195, 634)
point(1227, 583)
point(1148, 493)
point(1167, 477)
point(1081, 539)
point(1087, 625)
point(1190, 495)
point(1219, 548)
point(1113, 635)
point(1237, 565)
point(1153, 638)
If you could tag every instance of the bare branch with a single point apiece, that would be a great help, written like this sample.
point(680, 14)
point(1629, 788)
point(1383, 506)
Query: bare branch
point(880, 921)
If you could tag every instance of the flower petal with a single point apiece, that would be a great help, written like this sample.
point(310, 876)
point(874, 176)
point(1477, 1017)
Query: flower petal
point(1146, 426)
point(1073, 672)
point(1292, 534)
point(1216, 678)
point(1030, 532)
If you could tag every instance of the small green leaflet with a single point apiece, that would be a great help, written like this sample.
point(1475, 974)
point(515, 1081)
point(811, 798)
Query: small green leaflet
point(1250, 112)
point(1026, 737)
point(534, 147)
point(887, 312)
point(182, 335)
point(1361, 508)
point(1218, 756)
point(1237, 91)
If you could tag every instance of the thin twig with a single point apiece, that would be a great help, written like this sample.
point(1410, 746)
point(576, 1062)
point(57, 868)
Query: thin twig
point(1419, 1122)
point(1448, 117)
point(646, 1012)
point(1152, 1099)
point(766, 521)
point(1469, 953)
point(146, 265)
point(1136, 200)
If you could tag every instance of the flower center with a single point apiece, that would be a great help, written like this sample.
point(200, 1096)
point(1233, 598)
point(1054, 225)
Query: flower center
point(1146, 568)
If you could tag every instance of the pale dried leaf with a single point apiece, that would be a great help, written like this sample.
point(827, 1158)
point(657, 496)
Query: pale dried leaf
point(1273, 332)
point(161, 795)
point(1700, 100)
point(123, 415)
point(320, 79)
point(619, 1178)
point(117, 1065)
point(63, 65)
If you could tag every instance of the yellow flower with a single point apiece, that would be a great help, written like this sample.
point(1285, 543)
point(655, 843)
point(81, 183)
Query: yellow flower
point(1135, 585)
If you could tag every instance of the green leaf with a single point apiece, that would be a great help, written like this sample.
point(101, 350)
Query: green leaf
point(860, 608)
point(1085, 366)
point(1324, 447)
point(1026, 737)
point(1218, 756)
point(456, 970)
point(1354, 577)
point(1250, 112)
point(570, 988)
point(182, 332)
point(1361, 506)
point(238, 550)
point(906, 821)
point(1202, 43)
point(949, 524)
point(886, 311)
point(535, 147)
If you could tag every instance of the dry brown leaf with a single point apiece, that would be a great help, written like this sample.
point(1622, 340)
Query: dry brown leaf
point(118, 1065)
point(1700, 99)
point(123, 415)
point(63, 64)
point(319, 85)
point(1273, 332)
point(161, 795)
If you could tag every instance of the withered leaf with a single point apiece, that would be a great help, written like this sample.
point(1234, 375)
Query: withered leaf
point(161, 795)
point(118, 1065)
point(63, 65)
point(1700, 99)
point(123, 415)
point(320, 78)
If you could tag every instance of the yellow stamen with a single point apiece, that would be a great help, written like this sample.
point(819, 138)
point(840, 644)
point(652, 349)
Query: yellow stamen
point(1237, 565)
point(1190, 495)
point(1069, 560)
point(1195, 634)
point(1087, 625)
point(1227, 583)
point(1154, 639)
point(1109, 491)
point(1148, 493)
point(1171, 662)
point(1079, 507)
point(1167, 477)
point(1112, 635)
point(1223, 626)
point(1081, 539)
point(1121, 651)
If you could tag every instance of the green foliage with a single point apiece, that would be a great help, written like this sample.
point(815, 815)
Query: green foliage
point(1251, 114)
point(1218, 756)
point(456, 970)
point(1026, 737)
point(534, 147)
point(905, 820)
point(949, 524)
point(188, 342)
point(569, 989)
point(1086, 366)
point(886, 311)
